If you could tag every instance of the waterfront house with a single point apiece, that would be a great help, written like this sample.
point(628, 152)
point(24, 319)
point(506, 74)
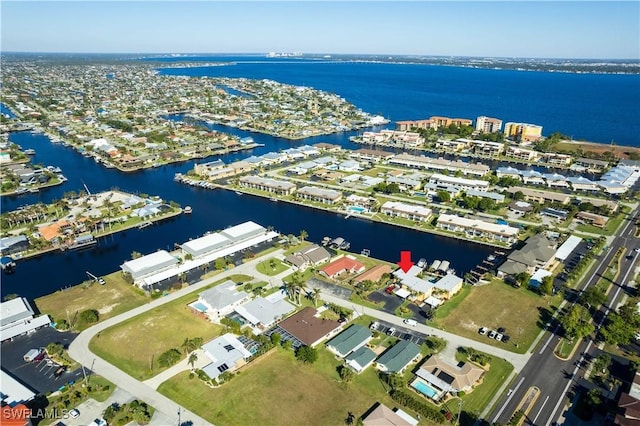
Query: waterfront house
point(351, 339)
point(374, 274)
point(226, 353)
point(206, 169)
point(524, 132)
point(311, 255)
point(449, 285)
point(452, 145)
point(408, 211)
point(556, 159)
point(222, 299)
point(341, 265)
point(279, 187)
point(10, 245)
point(478, 228)
point(306, 328)
point(459, 183)
point(537, 253)
point(360, 359)
point(321, 195)
point(397, 358)
point(443, 377)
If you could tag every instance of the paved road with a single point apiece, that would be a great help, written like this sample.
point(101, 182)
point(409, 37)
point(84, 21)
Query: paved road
point(551, 375)
point(453, 341)
point(79, 350)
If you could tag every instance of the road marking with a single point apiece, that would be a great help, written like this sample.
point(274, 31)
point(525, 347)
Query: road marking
point(537, 415)
point(553, 334)
point(564, 392)
point(495, 419)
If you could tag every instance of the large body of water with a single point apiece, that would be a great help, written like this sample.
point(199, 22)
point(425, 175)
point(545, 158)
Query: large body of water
point(594, 107)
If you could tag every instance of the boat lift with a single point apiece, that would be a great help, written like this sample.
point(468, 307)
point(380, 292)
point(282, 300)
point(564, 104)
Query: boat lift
point(100, 280)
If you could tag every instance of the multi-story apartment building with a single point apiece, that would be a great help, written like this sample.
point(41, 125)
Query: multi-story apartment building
point(408, 211)
point(523, 131)
point(478, 228)
point(488, 124)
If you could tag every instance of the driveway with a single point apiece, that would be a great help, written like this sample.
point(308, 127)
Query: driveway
point(326, 287)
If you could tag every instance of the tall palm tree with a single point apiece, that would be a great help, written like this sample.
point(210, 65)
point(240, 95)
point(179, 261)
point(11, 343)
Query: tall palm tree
point(192, 359)
point(303, 235)
point(316, 296)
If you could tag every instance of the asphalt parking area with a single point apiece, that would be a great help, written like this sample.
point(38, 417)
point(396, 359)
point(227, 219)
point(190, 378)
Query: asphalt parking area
point(38, 376)
point(391, 301)
point(401, 333)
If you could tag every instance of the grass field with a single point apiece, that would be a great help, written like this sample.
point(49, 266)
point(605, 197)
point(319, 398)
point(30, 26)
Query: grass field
point(279, 390)
point(264, 267)
point(132, 345)
point(111, 299)
point(496, 305)
point(481, 396)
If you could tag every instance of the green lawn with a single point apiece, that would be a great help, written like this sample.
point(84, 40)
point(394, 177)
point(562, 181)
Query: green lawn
point(565, 348)
point(610, 228)
point(271, 267)
point(476, 401)
point(111, 299)
point(497, 305)
point(279, 390)
point(160, 329)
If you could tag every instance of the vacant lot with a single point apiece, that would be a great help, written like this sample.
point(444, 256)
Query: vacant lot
point(111, 299)
point(279, 390)
point(496, 305)
point(271, 267)
point(133, 345)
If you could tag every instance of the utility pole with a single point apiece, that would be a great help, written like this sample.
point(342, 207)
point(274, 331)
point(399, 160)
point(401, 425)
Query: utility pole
point(179, 423)
point(459, 410)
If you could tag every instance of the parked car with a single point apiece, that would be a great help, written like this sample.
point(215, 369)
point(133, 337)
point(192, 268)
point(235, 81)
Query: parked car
point(389, 290)
point(74, 414)
point(483, 330)
point(410, 322)
point(499, 337)
point(501, 330)
point(492, 334)
point(391, 331)
point(374, 325)
point(101, 281)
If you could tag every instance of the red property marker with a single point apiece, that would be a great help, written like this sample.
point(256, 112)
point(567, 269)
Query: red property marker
point(405, 261)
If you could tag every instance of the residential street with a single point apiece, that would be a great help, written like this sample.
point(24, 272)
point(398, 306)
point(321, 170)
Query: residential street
point(79, 350)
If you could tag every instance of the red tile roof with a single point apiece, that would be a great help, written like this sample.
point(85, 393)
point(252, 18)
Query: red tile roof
point(343, 264)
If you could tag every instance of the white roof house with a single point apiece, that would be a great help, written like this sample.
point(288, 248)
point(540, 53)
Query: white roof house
point(221, 299)
point(263, 312)
point(149, 264)
point(538, 276)
point(17, 318)
point(450, 284)
point(225, 353)
point(13, 392)
point(243, 231)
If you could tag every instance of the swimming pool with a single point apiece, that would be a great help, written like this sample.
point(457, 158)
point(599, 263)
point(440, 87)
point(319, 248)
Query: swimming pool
point(424, 388)
point(199, 307)
point(356, 209)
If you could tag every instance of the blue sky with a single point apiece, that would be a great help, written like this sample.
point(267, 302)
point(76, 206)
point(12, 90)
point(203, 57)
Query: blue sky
point(569, 29)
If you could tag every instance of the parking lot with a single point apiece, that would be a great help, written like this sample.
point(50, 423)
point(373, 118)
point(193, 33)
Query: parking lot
point(401, 332)
point(393, 302)
point(38, 376)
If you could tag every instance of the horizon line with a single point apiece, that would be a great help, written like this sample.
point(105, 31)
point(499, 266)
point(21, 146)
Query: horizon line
point(301, 54)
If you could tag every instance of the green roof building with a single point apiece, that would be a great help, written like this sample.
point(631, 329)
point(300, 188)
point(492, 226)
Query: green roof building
point(351, 339)
point(360, 359)
point(396, 359)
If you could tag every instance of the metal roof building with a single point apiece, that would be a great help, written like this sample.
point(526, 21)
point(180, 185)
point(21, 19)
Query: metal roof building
point(149, 264)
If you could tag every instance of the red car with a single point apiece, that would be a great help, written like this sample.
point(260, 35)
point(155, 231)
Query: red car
point(389, 290)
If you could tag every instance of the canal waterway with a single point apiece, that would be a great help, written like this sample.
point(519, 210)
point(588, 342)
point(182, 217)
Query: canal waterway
point(212, 210)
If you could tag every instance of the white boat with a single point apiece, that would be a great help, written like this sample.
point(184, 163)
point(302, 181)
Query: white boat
point(188, 210)
point(238, 192)
point(30, 151)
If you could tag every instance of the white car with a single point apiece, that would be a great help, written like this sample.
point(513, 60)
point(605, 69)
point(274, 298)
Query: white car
point(74, 414)
point(410, 322)
point(483, 330)
point(492, 334)
point(499, 337)
point(391, 331)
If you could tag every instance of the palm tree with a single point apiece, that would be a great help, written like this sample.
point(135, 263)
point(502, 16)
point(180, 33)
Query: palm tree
point(290, 288)
point(303, 235)
point(316, 296)
point(192, 359)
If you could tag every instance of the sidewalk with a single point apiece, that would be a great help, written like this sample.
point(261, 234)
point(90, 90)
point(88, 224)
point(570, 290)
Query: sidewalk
point(183, 365)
